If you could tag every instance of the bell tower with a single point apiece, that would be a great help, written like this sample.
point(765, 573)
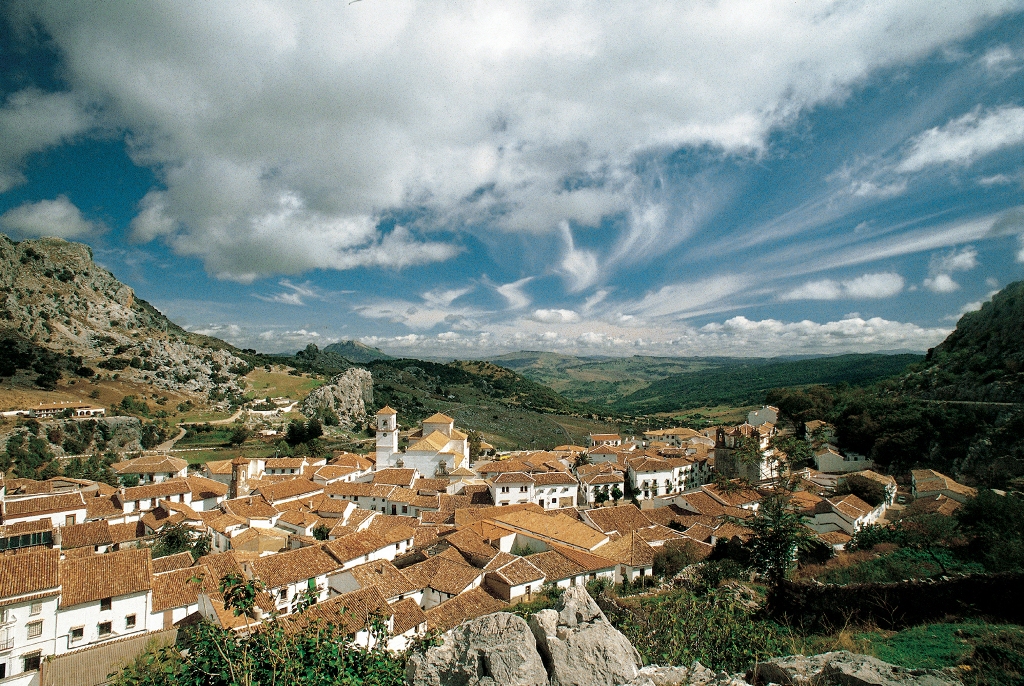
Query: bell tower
point(387, 435)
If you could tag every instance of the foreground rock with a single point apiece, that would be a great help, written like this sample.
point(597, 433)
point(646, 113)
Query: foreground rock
point(346, 395)
point(575, 645)
point(843, 668)
point(580, 646)
point(493, 649)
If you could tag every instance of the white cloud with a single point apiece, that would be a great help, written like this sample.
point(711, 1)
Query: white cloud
point(578, 266)
point(1020, 253)
point(283, 132)
point(961, 260)
point(943, 265)
point(941, 283)
point(883, 285)
point(58, 217)
point(513, 293)
point(294, 295)
point(444, 297)
point(31, 120)
point(689, 299)
point(965, 139)
point(556, 316)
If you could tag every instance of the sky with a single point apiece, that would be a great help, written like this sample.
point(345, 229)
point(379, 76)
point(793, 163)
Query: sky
point(464, 179)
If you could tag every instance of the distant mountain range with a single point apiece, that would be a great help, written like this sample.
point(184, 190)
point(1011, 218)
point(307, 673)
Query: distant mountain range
point(643, 385)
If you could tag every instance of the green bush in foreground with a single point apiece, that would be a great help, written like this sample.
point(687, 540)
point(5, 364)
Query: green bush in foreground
point(679, 627)
point(316, 655)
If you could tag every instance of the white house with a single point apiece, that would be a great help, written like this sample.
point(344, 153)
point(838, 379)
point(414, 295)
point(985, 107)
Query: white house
point(289, 575)
point(61, 509)
point(554, 490)
point(103, 598)
point(830, 461)
point(512, 488)
point(29, 589)
point(152, 469)
point(766, 415)
point(650, 477)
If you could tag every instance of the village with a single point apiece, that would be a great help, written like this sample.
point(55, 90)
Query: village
point(420, 538)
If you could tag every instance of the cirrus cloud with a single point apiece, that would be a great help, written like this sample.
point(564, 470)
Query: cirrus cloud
point(883, 285)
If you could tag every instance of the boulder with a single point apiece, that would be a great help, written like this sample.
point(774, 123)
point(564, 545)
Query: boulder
point(843, 668)
point(346, 395)
point(579, 645)
point(493, 649)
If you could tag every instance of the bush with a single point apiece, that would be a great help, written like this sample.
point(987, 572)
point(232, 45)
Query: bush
point(679, 627)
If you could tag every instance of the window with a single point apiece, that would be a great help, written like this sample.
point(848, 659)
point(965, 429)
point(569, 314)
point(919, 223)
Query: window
point(504, 489)
point(69, 520)
point(32, 661)
point(104, 628)
point(35, 609)
point(129, 622)
point(105, 604)
point(77, 633)
point(35, 629)
point(524, 489)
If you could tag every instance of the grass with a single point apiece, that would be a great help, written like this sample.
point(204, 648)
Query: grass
point(278, 383)
point(987, 654)
point(904, 563)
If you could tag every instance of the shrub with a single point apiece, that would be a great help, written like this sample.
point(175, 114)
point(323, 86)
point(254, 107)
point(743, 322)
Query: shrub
point(679, 627)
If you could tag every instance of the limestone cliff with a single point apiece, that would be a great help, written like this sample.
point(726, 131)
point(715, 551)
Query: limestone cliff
point(347, 395)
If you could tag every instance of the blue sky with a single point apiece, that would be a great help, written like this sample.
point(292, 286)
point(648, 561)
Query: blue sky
point(730, 178)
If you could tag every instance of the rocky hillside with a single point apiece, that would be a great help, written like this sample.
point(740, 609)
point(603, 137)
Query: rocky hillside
point(59, 309)
point(354, 351)
point(983, 359)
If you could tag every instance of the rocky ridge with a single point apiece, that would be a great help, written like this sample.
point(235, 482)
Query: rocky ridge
point(53, 295)
point(347, 395)
point(575, 645)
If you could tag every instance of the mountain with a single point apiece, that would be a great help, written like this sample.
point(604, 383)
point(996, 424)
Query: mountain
point(745, 382)
point(354, 351)
point(983, 359)
point(643, 385)
point(62, 313)
point(603, 380)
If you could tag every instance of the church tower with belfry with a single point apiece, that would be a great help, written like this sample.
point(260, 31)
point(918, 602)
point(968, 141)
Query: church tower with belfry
point(387, 435)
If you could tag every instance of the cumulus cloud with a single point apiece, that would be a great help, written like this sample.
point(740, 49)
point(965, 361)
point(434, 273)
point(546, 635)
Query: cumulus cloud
point(882, 285)
point(58, 217)
point(963, 140)
point(32, 120)
point(943, 265)
point(281, 133)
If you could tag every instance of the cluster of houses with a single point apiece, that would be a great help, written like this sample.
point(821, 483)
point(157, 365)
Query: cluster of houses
point(419, 537)
point(60, 409)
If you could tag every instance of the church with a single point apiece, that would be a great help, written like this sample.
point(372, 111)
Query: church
point(436, 449)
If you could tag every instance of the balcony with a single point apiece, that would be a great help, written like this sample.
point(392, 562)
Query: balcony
point(6, 643)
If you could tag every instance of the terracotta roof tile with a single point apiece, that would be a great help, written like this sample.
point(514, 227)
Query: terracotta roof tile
point(630, 550)
point(29, 572)
point(622, 518)
point(293, 565)
point(59, 502)
point(471, 604)
point(88, 534)
point(519, 571)
point(105, 576)
point(408, 615)
point(177, 588)
point(383, 575)
point(103, 506)
point(169, 563)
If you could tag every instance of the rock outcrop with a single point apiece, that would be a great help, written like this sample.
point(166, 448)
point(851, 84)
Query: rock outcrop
point(843, 668)
point(575, 645)
point(580, 646)
point(493, 649)
point(347, 395)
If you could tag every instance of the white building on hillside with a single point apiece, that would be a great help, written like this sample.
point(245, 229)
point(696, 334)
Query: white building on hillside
point(435, 450)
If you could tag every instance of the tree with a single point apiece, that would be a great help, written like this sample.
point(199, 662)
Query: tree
point(616, 493)
point(778, 532)
point(180, 538)
point(601, 495)
point(321, 532)
point(239, 436)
